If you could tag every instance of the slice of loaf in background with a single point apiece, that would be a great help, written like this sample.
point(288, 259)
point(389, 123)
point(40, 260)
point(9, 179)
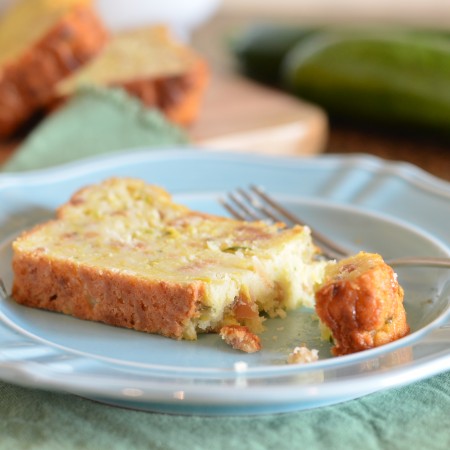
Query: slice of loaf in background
point(123, 253)
point(151, 65)
point(41, 42)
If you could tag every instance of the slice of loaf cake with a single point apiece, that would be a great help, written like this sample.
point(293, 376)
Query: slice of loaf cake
point(123, 253)
point(41, 42)
point(151, 65)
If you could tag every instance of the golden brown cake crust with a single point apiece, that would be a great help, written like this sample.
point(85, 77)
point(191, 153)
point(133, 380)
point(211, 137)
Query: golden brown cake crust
point(362, 304)
point(112, 298)
point(26, 83)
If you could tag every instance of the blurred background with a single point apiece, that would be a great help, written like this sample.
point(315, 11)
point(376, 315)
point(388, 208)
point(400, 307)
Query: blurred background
point(410, 142)
point(417, 12)
point(311, 76)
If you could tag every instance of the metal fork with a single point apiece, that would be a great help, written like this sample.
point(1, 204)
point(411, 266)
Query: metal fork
point(255, 204)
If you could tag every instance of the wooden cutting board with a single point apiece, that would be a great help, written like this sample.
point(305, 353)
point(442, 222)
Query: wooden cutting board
point(240, 115)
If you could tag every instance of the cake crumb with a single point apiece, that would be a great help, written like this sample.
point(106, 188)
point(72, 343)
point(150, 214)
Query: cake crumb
point(240, 366)
point(303, 355)
point(240, 338)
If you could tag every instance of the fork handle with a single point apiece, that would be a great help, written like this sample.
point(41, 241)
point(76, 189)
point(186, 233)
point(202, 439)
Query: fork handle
point(420, 261)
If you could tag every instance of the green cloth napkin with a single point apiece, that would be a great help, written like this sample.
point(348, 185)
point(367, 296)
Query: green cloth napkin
point(95, 121)
point(413, 417)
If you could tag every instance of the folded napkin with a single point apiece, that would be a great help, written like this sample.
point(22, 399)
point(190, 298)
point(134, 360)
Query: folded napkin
point(94, 121)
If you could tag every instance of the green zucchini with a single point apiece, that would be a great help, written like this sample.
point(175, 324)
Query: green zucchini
point(396, 79)
point(260, 49)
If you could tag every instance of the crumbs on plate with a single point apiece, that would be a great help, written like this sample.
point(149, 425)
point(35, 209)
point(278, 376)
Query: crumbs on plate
point(302, 355)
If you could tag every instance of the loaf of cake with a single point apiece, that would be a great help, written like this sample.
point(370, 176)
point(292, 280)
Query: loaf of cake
point(41, 42)
point(123, 253)
point(361, 303)
point(151, 65)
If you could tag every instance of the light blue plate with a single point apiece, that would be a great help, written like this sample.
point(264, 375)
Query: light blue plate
point(363, 202)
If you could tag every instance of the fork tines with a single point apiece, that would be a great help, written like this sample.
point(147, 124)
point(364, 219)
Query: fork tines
point(255, 204)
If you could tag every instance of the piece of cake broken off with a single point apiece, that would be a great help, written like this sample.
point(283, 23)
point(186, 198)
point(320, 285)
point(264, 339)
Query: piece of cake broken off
point(361, 302)
point(123, 253)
